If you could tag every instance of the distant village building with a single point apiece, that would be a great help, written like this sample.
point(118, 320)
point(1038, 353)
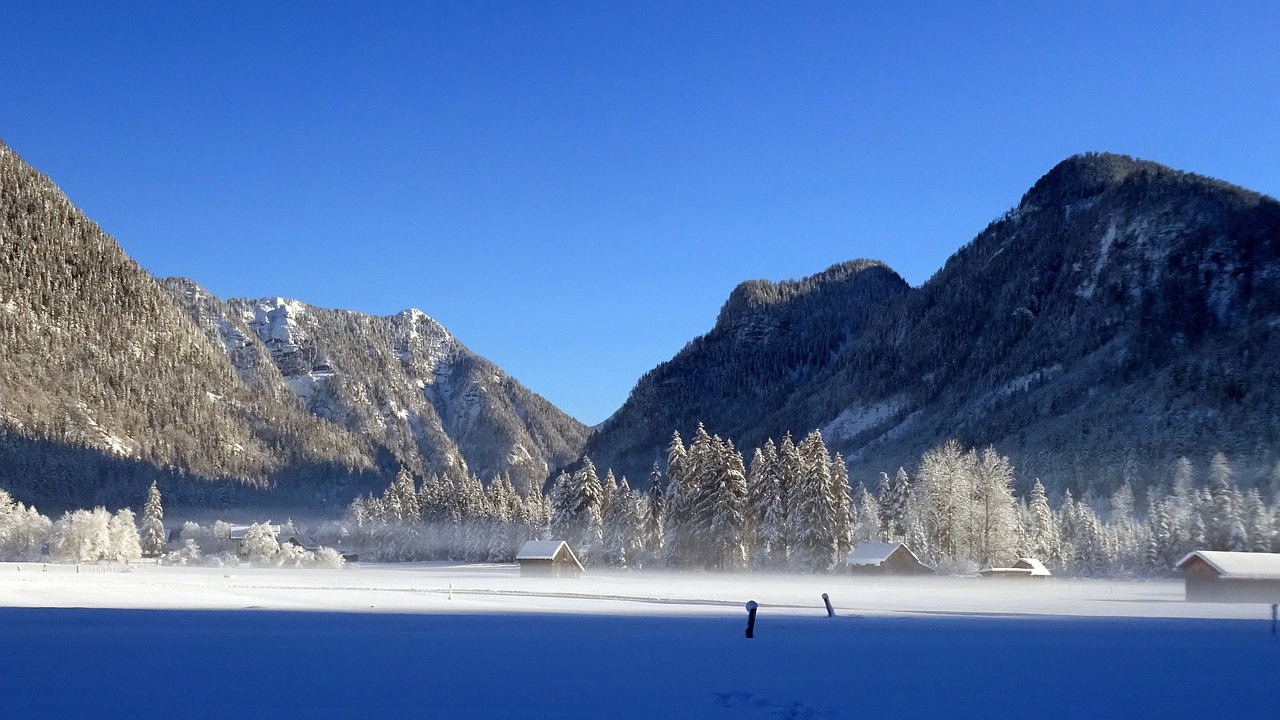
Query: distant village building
point(1024, 568)
point(885, 559)
point(1218, 576)
point(548, 558)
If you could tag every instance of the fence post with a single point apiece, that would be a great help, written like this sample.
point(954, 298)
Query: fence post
point(831, 612)
point(751, 618)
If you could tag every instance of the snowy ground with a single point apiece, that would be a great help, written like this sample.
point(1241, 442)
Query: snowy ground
point(389, 641)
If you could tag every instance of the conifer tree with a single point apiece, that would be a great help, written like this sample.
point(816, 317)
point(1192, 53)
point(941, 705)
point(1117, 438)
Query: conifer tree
point(623, 527)
point(152, 538)
point(844, 506)
point(1045, 540)
point(893, 505)
point(813, 513)
point(677, 503)
point(724, 515)
point(654, 535)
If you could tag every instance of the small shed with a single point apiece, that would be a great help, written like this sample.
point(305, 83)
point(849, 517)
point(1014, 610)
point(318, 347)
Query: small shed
point(885, 559)
point(1024, 568)
point(548, 558)
point(1220, 576)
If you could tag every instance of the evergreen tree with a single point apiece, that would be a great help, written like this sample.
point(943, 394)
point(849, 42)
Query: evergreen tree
point(893, 505)
point(623, 527)
point(1162, 541)
point(866, 524)
point(1045, 540)
point(724, 514)
point(1257, 522)
point(654, 534)
point(779, 524)
point(844, 506)
point(153, 538)
point(813, 518)
point(678, 545)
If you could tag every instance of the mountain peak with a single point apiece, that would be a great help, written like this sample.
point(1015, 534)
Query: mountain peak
point(753, 295)
point(1083, 176)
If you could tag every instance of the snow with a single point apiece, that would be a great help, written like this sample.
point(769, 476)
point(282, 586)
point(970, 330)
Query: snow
point(1104, 252)
point(439, 640)
point(857, 418)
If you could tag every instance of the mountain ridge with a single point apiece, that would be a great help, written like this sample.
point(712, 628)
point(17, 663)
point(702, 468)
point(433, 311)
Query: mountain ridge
point(1118, 293)
point(110, 378)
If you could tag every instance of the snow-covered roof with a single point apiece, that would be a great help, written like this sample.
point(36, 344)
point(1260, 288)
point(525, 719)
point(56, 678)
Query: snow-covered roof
point(544, 550)
point(1035, 566)
point(1238, 564)
point(871, 553)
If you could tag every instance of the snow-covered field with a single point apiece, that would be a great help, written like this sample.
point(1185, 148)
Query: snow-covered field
point(445, 641)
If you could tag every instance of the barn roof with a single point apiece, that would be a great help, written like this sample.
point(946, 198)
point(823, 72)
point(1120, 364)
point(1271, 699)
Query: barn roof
point(873, 553)
point(1035, 566)
point(543, 550)
point(1238, 564)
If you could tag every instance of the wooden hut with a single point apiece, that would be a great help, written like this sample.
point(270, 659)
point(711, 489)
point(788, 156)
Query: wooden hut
point(1219, 576)
point(548, 558)
point(1023, 568)
point(881, 558)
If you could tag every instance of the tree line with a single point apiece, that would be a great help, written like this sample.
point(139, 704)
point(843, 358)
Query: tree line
point(792, 508)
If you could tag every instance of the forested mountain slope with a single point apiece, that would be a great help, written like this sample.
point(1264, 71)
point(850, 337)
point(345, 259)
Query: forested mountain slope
point(109, 379)
point(1121, 315)
point(403, 382)
point(769, 341)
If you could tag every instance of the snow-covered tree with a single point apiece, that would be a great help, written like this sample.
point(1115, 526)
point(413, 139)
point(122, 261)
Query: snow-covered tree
point(679, 545)
point(260, 544)
point(893, 505)
point(576, 505)
point(81, 536)
point(123, 541)
point(866, 512)
point(152, 538)
point(623, 526)
point(23, 530)
point(996, 525)
point(814, 525)
point(1044, 540)
point(654, 533)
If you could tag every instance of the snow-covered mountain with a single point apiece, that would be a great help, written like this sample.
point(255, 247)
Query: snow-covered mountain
point(110, 379)
point(1121, 315)
point(402, 381)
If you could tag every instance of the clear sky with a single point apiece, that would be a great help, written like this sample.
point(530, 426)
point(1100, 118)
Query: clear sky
point(574, 188)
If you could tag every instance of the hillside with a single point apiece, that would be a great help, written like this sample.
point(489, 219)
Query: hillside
point(1121, 315)
point(403, 382)
point(109, 379)
point(769, 340)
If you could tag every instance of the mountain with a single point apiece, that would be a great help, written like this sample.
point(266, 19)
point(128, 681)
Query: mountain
point(403, 382)
point(1121, 315)
point(110, 379)
point(769, 340)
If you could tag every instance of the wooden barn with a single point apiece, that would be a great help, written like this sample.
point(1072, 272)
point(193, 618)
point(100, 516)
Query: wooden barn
point(1219, 576)
point(881, 558)
point(1030, 568)
point(548, 558)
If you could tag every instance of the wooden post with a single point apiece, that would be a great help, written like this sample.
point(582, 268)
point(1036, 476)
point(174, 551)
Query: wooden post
point(751, 618)
point(831, 612)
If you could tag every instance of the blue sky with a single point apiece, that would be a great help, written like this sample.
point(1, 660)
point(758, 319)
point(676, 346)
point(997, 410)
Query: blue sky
point(574, 188)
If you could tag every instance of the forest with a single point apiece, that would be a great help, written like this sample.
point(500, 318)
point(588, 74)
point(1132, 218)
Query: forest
point(791, 508)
